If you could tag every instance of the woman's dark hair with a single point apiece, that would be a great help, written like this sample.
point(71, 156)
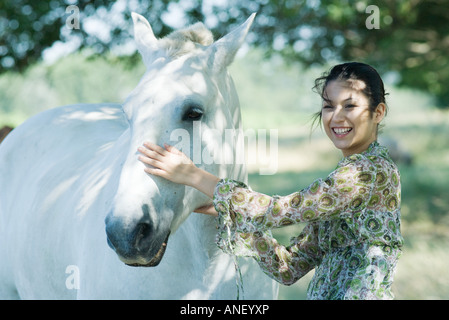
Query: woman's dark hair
point(351, 72)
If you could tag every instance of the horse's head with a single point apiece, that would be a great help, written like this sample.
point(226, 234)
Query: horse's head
point(187, 99)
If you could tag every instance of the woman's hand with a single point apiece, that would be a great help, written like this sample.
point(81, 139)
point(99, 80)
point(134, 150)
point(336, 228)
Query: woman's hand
point(168, 163)
point(173, 165)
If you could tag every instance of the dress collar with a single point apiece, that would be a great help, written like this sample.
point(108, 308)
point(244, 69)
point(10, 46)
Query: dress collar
point(374, 149)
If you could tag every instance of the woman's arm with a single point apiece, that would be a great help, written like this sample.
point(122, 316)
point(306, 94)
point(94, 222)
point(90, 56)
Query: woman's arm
point(346, 190)
point(286, 265)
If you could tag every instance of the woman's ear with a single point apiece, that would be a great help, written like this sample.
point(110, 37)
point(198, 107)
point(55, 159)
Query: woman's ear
point(379, 113)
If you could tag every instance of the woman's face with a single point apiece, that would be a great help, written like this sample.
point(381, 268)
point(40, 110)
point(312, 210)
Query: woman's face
point(346, 117)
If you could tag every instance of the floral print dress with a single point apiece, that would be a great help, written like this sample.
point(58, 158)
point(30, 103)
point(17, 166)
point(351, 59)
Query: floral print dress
point(352, 234)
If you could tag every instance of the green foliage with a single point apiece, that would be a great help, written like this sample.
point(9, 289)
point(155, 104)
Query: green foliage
point(411, 39)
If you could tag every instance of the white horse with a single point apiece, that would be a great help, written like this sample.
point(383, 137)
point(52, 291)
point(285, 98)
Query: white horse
point(77, 211)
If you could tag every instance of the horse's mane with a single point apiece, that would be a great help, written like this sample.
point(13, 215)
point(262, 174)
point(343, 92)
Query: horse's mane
point(181, 42)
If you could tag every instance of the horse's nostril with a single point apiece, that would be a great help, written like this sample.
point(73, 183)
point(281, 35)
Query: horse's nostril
point(143, 231)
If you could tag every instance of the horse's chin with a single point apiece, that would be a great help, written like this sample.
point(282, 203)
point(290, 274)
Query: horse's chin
point(156, 258)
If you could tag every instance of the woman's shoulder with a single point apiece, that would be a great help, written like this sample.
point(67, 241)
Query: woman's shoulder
point(374, 162)
point(376, 155)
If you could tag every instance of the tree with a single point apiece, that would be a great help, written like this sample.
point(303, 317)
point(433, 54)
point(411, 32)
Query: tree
point(28, 27)
point(410, 37)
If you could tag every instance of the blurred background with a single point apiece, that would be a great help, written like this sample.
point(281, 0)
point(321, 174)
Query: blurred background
point(54, 53)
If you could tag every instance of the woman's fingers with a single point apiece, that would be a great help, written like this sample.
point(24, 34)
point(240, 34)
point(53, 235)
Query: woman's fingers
point(150, 156)
point(156, 152)
point(155, 148)
point(152, 150)
point(151, 161)
point(172, 149)
point(181, 156)
point(155, 171)
point(148, 153)
point(169, 163)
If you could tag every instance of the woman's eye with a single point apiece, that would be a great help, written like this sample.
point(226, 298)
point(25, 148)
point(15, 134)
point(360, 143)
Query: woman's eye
point(350, 106)
point(327, 107)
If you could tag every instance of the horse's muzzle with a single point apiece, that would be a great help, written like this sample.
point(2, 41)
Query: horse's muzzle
point(156, 259)
point(137, 245)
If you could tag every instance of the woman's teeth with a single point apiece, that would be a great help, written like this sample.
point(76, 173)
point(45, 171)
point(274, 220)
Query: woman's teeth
point(342, 130)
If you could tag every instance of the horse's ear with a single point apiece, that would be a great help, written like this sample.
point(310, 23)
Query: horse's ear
point(222, 52)
point(146, 42)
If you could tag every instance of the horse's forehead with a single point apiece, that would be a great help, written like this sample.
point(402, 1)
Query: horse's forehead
point(179, 68)
point(180, 77)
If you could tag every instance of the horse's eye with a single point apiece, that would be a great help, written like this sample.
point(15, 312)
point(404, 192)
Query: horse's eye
point(193, 114)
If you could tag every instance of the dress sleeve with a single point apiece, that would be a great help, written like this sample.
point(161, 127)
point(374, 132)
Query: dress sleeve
point(345, 191)
point(286, 265)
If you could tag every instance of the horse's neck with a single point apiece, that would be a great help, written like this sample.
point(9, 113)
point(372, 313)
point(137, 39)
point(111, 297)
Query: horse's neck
point(200, 230)
point(205, 226)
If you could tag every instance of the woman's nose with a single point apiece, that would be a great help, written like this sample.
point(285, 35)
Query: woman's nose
point(338, 114)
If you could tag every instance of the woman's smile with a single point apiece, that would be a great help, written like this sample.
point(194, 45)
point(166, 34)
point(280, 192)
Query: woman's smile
point(341, 132)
